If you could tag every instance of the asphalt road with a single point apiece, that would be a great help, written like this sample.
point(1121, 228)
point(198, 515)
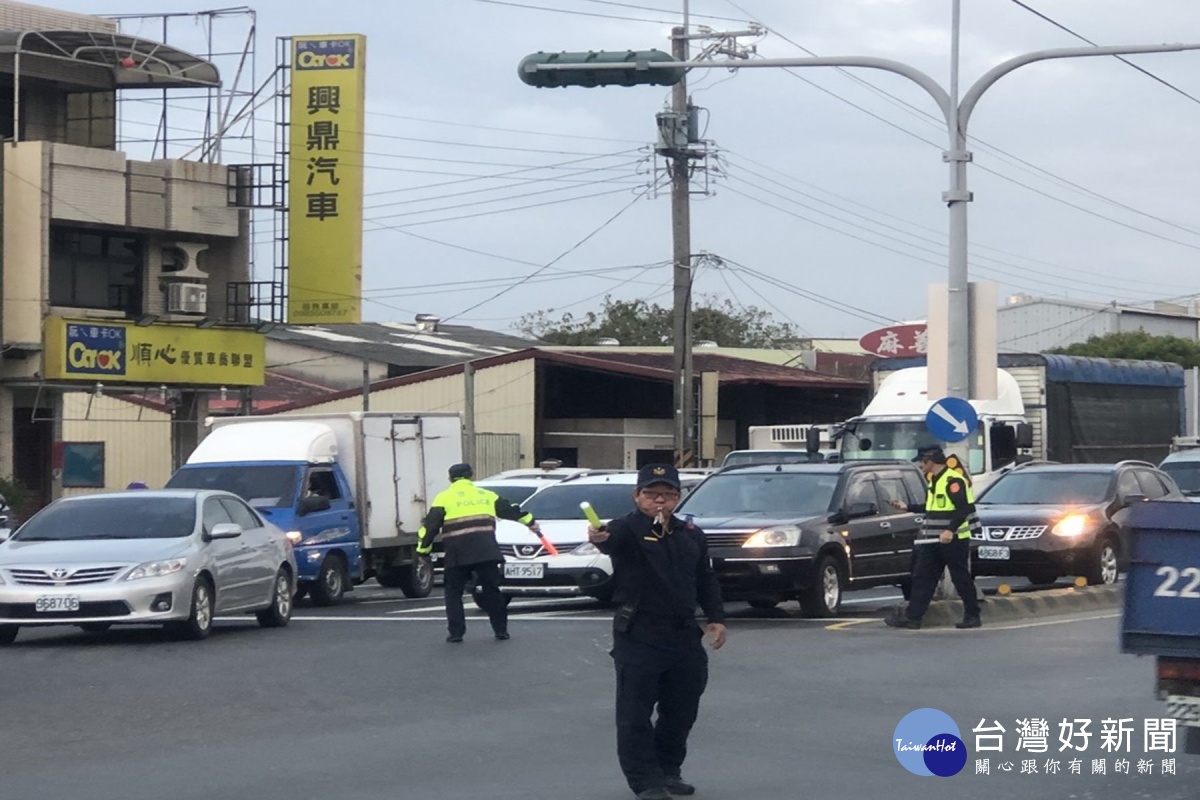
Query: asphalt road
point(367, 701)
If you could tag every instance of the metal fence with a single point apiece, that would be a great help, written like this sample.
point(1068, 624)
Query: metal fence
point(496, 452)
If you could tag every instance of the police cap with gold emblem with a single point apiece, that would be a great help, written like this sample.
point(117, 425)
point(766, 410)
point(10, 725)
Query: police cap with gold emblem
point(658, 473)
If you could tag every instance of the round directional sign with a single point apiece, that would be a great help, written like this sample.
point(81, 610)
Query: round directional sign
point(951, 419)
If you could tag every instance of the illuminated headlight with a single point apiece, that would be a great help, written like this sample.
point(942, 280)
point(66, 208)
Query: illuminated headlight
point(294, 537)
point(586, 549)
point(156, 569)
point(783, 536)
point(1073, 525)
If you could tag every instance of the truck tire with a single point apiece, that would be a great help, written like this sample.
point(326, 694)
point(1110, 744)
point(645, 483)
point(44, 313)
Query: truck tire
point(1102, 569)
point(8, 634)
point(416, 579)
point(764, 603)
point(1044, 578)
point(198, 625)
point(279, 613)
point(330, 585)
point(823, 596)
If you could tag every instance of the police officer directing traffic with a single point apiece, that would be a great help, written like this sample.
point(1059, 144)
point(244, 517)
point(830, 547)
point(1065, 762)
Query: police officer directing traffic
point(661, 572)
point(945, 542)
point(465, 516)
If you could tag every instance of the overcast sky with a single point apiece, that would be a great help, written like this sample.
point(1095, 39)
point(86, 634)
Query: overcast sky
point(826, 207)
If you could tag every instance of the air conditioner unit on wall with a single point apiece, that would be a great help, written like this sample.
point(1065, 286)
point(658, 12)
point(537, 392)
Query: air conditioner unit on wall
point(187, 298)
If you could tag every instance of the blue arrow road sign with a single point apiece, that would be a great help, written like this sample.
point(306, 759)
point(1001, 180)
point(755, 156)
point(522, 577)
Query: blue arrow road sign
point(951, 419)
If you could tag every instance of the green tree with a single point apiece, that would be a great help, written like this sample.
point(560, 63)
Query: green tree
point(640, 323)
point(1137, 345)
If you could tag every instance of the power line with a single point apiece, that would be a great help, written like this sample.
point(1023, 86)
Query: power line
point(575, 13)
point(1122, 59)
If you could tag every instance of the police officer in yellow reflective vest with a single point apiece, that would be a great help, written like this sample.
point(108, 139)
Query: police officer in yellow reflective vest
point(465, 516)
point(945, 542)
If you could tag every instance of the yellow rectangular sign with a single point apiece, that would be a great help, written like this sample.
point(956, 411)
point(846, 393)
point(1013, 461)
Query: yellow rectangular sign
point(112, 351)
point(325, 179)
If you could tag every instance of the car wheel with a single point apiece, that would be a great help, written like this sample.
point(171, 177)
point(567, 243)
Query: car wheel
point(279, 613)
point(416, 579)
point(1103, 568)
point(764, 604)
point(94, 627)
point(1043, 578)
point(823, 597)
point(8, 634)
point(198, 625)
point(330, 586)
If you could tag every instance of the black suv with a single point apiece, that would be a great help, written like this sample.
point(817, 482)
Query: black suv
point(1043, 521)
point(807, 531)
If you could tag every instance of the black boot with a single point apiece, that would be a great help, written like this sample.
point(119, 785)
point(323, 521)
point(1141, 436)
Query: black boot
point(969, 622)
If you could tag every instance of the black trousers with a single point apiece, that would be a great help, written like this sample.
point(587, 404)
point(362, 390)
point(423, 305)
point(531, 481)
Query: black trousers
point(663, 669)
point(487, 575)
point(931, 560)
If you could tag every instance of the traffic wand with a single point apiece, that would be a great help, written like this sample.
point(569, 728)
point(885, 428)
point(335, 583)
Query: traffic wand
point(592, 517)
point(547, 545)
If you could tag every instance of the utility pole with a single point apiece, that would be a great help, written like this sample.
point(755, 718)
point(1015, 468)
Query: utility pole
point(683, 403)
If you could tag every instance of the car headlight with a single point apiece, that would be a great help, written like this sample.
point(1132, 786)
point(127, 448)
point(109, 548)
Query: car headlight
point(294, 537)
point(156, 569)
point(782, 536)
point(1072, 525)
point(586, 549)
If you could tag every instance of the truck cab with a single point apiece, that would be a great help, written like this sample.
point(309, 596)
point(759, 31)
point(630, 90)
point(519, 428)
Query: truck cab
point(298, 485)
point(893, 426)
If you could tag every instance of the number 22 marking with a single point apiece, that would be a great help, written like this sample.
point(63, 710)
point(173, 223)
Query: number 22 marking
point(1172, 575)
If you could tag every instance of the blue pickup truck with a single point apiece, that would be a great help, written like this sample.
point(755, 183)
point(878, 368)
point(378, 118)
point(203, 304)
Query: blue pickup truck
point(1162, 607)
point(350, 490)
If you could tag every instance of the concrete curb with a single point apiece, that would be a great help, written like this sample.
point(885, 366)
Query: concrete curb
point(998, 609)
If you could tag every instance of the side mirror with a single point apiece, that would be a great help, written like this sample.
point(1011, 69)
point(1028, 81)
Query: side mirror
point(1133, 499)
point(860, 510)
point(224, 530)
point(314, 502)
point(1024, 435)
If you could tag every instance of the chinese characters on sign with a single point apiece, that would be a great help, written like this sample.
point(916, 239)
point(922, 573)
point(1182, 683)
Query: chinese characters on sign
point(1113, 737)
point(326, 179)
point(897, 341)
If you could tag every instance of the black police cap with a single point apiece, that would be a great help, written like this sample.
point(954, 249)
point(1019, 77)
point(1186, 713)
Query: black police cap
point(461, 471)
point(932, 453)
point(658, 473)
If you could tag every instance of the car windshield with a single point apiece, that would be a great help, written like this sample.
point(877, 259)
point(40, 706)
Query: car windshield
point(899, 439)
point(126, 517)
point(763, 494)
point(742, 457)
point(1186, 475)
point(610, 500)
point(1048, 488)
point(513, 494)
point(262, 486)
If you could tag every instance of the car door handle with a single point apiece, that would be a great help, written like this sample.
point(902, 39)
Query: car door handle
point(885, 524)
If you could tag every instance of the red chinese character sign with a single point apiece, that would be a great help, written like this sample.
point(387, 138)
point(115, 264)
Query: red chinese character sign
point(897, 341)
point(325, 179)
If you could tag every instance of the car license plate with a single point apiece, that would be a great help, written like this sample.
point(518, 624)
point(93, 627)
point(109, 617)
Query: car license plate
point(994, 553)
point(54, 602)
point(524, 572)
point(1184, 708)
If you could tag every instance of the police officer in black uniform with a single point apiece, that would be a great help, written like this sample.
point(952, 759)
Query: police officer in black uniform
point(661, 572)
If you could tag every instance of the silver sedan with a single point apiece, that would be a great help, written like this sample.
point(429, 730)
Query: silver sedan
point(176, 557)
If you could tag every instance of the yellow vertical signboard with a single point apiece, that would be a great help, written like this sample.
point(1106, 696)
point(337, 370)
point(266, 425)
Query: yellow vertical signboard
point(325, 175)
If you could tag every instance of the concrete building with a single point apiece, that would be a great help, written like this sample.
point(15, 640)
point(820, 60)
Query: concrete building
point(1034, 325)
point(114, 272)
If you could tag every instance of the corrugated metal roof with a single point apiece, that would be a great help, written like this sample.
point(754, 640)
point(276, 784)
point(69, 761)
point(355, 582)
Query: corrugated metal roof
point(1074, 369)
point(402, 345)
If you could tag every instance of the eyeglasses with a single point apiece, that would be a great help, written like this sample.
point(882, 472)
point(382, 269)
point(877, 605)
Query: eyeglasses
point(668, 495)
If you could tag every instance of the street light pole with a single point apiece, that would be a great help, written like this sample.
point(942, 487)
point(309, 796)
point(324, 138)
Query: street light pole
point(960, 350)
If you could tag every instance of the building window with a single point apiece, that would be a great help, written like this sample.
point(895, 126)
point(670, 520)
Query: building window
point(95, 269)
point(91, 119)
point(83, 465)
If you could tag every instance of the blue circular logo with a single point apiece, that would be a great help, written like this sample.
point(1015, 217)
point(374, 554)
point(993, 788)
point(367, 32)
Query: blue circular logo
point(927, 742)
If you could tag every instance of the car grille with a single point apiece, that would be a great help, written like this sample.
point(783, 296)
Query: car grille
point(524, 551)
point(1014, 533)
point(107, 608)
point(80, 577)
point(727, 538)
